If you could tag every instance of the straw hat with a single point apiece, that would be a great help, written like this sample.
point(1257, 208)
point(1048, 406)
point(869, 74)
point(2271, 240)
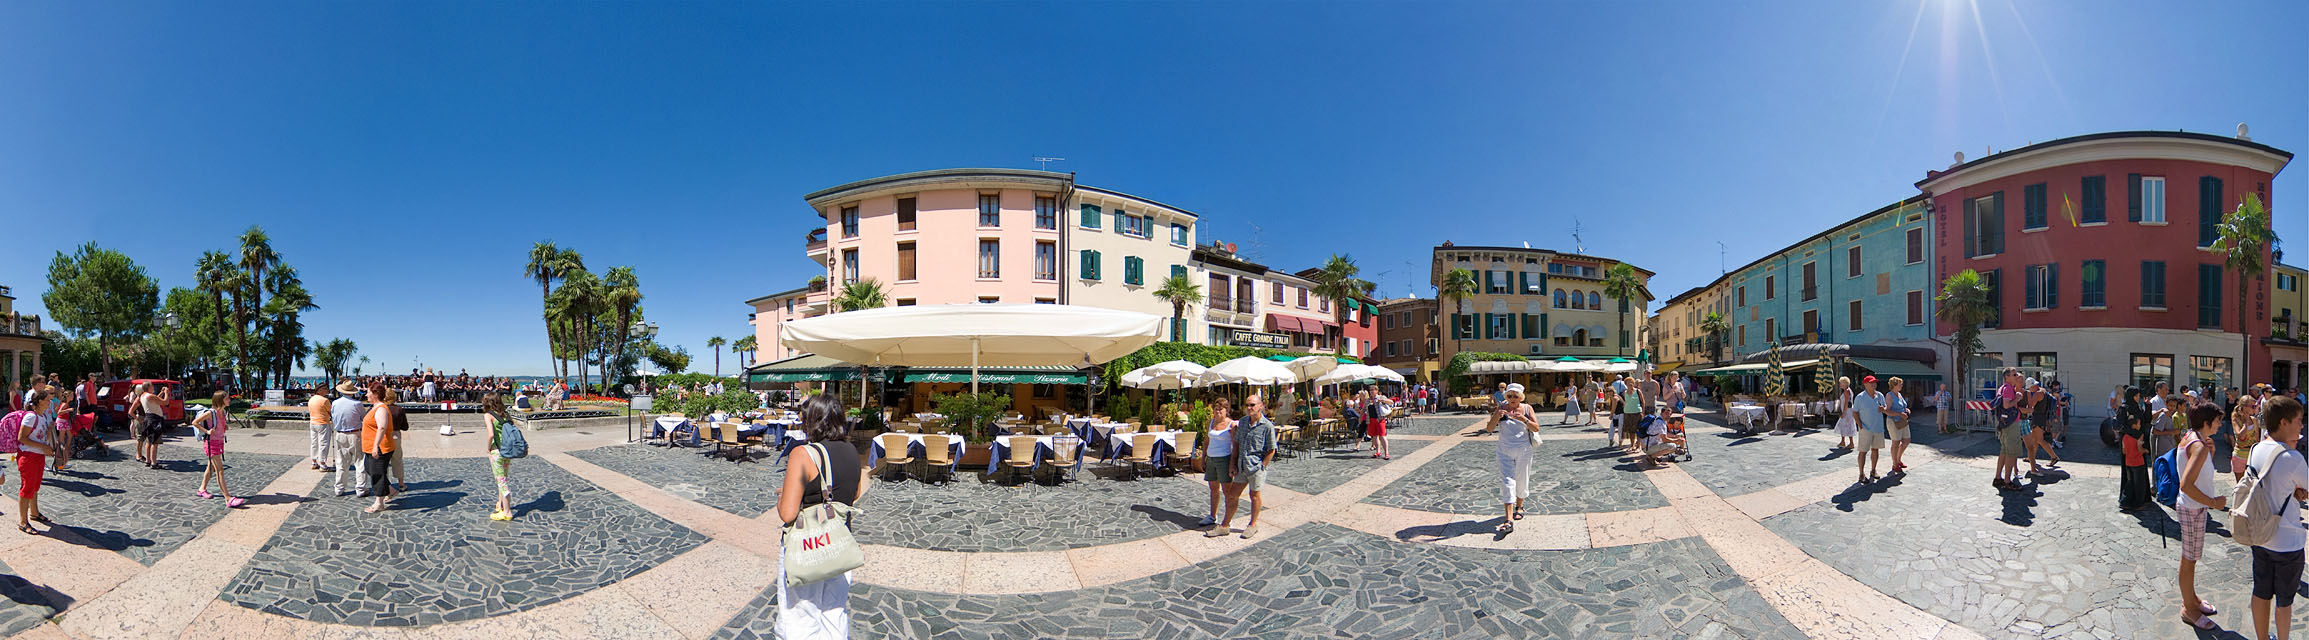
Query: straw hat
point(346, 387)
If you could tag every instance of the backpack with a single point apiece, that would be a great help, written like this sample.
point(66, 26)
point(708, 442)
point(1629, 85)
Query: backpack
point(2253, 519)
point(2165, 475)
point(510, 444)
point(9, 425)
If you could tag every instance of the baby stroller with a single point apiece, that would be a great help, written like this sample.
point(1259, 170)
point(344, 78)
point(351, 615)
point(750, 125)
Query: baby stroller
point(1676, 428)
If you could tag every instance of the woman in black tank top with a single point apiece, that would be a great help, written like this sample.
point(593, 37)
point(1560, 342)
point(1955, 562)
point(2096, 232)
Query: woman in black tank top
point(819, 609)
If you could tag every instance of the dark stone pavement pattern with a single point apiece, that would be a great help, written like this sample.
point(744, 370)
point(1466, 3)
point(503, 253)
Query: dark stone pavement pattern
point(2056, 561)
point(117, 503)
point(436, 557)
point(1324, 581)
point(1325, 468)
point(1433, 425)
point(748, 489)
point(1732, 464)
point(973, 514)
point(27, 605)
point(1567, 476)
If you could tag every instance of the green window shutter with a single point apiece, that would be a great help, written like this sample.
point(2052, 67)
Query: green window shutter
point(1971, 233)
point(1543, 322)
point(1178, 271)
point(2209, 204)
point(1996, 225)
point(2133, 197)
point(1090, 216)
point(1523, 281)
point(1089, 264)
point(1133, 270)
point(2052, 286)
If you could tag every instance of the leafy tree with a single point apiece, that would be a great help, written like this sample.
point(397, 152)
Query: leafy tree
point(714, 344)
point(1337, 281)
point(285, 327)
point(575, 304)
point(199, 336)
point(1180, 291)
point(100, 291)
point(1458, 285)
point(863, 293)
point(669, 359)
point(2244, 239)
point(1714, 326)
point(1620, 281)
point(213, 274)
point(256, 255)
point(544, 267)
point(746, 348)
point(623, 296)
point(333, 356)
point(1963, 302)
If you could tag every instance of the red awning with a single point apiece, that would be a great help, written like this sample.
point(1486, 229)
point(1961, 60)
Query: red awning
point(1284, 323)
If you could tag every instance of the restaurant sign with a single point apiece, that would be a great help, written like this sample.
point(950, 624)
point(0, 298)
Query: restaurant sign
point(991, 377)
point(1249, 338)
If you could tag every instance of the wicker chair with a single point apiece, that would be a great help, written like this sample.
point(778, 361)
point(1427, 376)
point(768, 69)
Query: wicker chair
point(894, 453)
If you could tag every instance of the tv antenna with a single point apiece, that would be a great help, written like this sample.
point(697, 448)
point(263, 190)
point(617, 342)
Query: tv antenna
point(1576, 245)
point(1720, 257)
point(1045, 161)
point(1258, 247)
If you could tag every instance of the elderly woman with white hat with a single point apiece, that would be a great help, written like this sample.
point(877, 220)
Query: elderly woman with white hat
point(1513, 421)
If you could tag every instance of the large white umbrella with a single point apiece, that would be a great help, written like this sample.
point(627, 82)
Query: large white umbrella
point(1383, 373)
point(1250, 370)
point(974, 335)
point(1347, 373)
point(1312, 367)
point(1176, 374)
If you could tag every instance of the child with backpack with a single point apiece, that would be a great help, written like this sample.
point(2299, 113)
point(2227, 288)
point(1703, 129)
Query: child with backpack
point(2268, 517)
point(210, 428)
point(505, 444)
point(2195, 485)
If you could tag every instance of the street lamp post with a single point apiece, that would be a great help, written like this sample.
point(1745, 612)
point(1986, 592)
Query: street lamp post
point(640, 329)
point(168, 322)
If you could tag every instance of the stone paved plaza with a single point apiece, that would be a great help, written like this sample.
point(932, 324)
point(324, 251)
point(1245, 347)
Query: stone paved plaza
point(1757, 537)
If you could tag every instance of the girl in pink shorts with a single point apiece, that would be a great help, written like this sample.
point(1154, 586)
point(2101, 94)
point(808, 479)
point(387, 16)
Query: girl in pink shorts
point(211, 427)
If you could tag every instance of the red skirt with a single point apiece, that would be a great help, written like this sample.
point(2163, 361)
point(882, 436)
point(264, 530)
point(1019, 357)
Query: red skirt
point(1376, 428)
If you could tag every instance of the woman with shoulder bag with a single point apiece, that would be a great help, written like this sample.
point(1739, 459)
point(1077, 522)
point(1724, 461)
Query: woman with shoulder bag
point(1847, 424)
point(825, 471)
point(495, 418)
point(381, 443)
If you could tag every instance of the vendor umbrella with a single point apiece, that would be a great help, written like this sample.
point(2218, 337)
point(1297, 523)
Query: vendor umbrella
point(974, 335)
point(1176, 374)
point(1775, 380)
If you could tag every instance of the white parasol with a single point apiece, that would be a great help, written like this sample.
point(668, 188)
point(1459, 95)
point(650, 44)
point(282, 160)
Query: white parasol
point(974, 335)
point(1250, 370)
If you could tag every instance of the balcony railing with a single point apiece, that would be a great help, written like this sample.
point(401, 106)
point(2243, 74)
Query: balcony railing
point(1246, 305)
point(815, 239)
point(1811, 293)
point(1222, 303)
point(19, 325)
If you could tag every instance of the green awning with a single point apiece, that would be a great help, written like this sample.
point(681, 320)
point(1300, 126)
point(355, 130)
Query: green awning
point(1756, 368)
point(1906, 369)
point(804, 376)
point(802, 368)
point(998, 377)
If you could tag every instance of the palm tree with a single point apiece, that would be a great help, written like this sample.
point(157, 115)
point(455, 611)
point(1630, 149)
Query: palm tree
point(1964, 302)
point(580, 298)
point(290, 302)
point(544, 265)
point(714, 344)
point(1337, 282)
point(1180, 291)
point(1620, 282)
point(237, 282)
point(624, 297)
point(1457, 286)
point(211, 273)
point(746, 347)
point(364, 363)
point(2244, 237)
point(863, 293)
point(1714, 325)
point(256, 255)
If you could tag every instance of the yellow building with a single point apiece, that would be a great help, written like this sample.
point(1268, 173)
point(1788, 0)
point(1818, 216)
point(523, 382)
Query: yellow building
point(1539, 304)
point(2288, 351)
point(1676, 338)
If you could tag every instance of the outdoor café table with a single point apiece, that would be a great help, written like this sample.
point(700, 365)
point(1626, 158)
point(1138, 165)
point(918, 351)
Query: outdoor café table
point(674, 424)
point(914, 449)
point(1044, 446)
point(1165, 442)
point(1095, 434)
point(1790, 412)
point(1748, 414)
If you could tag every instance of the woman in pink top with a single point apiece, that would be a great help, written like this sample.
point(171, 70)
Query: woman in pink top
point(211, 426)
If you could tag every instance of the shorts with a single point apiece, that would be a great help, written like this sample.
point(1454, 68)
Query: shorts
point(1869, 440)
point(1219, 469)
point(2192, 529)
point(2271, 570)
point(1632, 425)
point(154, 428)
point(1897, 430)
point(1257, 480)
point(2008, 442)
point(30, 467)
point(213, 447)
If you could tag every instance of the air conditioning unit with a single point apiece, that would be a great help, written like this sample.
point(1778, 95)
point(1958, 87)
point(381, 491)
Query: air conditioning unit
point(1535, 349)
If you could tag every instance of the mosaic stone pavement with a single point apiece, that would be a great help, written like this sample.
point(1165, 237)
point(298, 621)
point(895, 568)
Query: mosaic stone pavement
point(436, 557)
point(1567, 476)
point(1323, 581)
point(1322, 469)
point(119, 504)
point(1433, 425)
point(747, 489)
point(2058, 561)
point(26, 607)
point(1731, 464)
point(977, 515)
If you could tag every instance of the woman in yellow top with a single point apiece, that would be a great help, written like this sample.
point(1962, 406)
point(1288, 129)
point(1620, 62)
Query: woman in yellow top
point(2246, 425)
point(380, 442)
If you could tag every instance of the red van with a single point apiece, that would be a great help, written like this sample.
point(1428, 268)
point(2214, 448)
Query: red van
point(114, 397)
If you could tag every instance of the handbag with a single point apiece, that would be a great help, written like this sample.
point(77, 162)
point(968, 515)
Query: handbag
point(818, 545)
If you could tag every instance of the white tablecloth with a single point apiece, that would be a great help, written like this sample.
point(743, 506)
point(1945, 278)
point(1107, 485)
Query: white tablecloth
point(1748, 414)
point(1044, 446)
point(954, 446)
point(1165, 442)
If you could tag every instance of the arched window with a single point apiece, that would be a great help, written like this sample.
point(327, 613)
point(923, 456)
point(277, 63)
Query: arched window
point(1578, 300)
point(1595, 301)
point(1579, 338)
point(1559, 298)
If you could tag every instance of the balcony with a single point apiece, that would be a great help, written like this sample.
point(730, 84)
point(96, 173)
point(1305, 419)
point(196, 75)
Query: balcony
point(1222, 303)
point(814, 242)
point(1810, 294)
point(1246, 305)
point(15, 324)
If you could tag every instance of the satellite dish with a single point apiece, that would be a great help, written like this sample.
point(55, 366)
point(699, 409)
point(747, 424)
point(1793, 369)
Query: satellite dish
point(629, 388)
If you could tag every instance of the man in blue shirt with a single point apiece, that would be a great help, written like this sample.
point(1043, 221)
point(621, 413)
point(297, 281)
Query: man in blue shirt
point(1868, 406)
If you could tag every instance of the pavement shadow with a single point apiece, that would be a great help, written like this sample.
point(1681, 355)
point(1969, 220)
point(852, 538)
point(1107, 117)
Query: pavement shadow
point(22, 592)
point(1835, 453)
point(184, 466)
point(2154, 518)
point(95, 539)
point(1454, 529)
point(1183, 521)
point(87, 489)
point(276, 498)
point(429, 485)
point(1605, 452)
point(2019, 506)
point(438, 500)
point(1862, 492)
point(549, 502)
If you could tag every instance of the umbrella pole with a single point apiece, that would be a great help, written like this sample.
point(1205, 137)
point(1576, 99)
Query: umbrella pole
point(973, 366)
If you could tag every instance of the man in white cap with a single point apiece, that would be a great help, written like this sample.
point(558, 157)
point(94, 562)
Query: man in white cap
point(345, 417)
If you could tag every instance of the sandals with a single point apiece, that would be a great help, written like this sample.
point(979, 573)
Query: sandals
point(42, 518)
point(2202, 622)
point(1505, 528)
point(1518, 514)
point(27, 529)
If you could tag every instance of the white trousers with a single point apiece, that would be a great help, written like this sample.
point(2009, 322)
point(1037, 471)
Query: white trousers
point(812, 611)
point(321, 434)
point(346, 447)
point(1514, 473)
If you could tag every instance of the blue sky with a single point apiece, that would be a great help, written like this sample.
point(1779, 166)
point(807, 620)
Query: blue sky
point(405, 156)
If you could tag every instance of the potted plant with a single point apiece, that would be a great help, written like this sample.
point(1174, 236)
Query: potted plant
point(973, 417)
